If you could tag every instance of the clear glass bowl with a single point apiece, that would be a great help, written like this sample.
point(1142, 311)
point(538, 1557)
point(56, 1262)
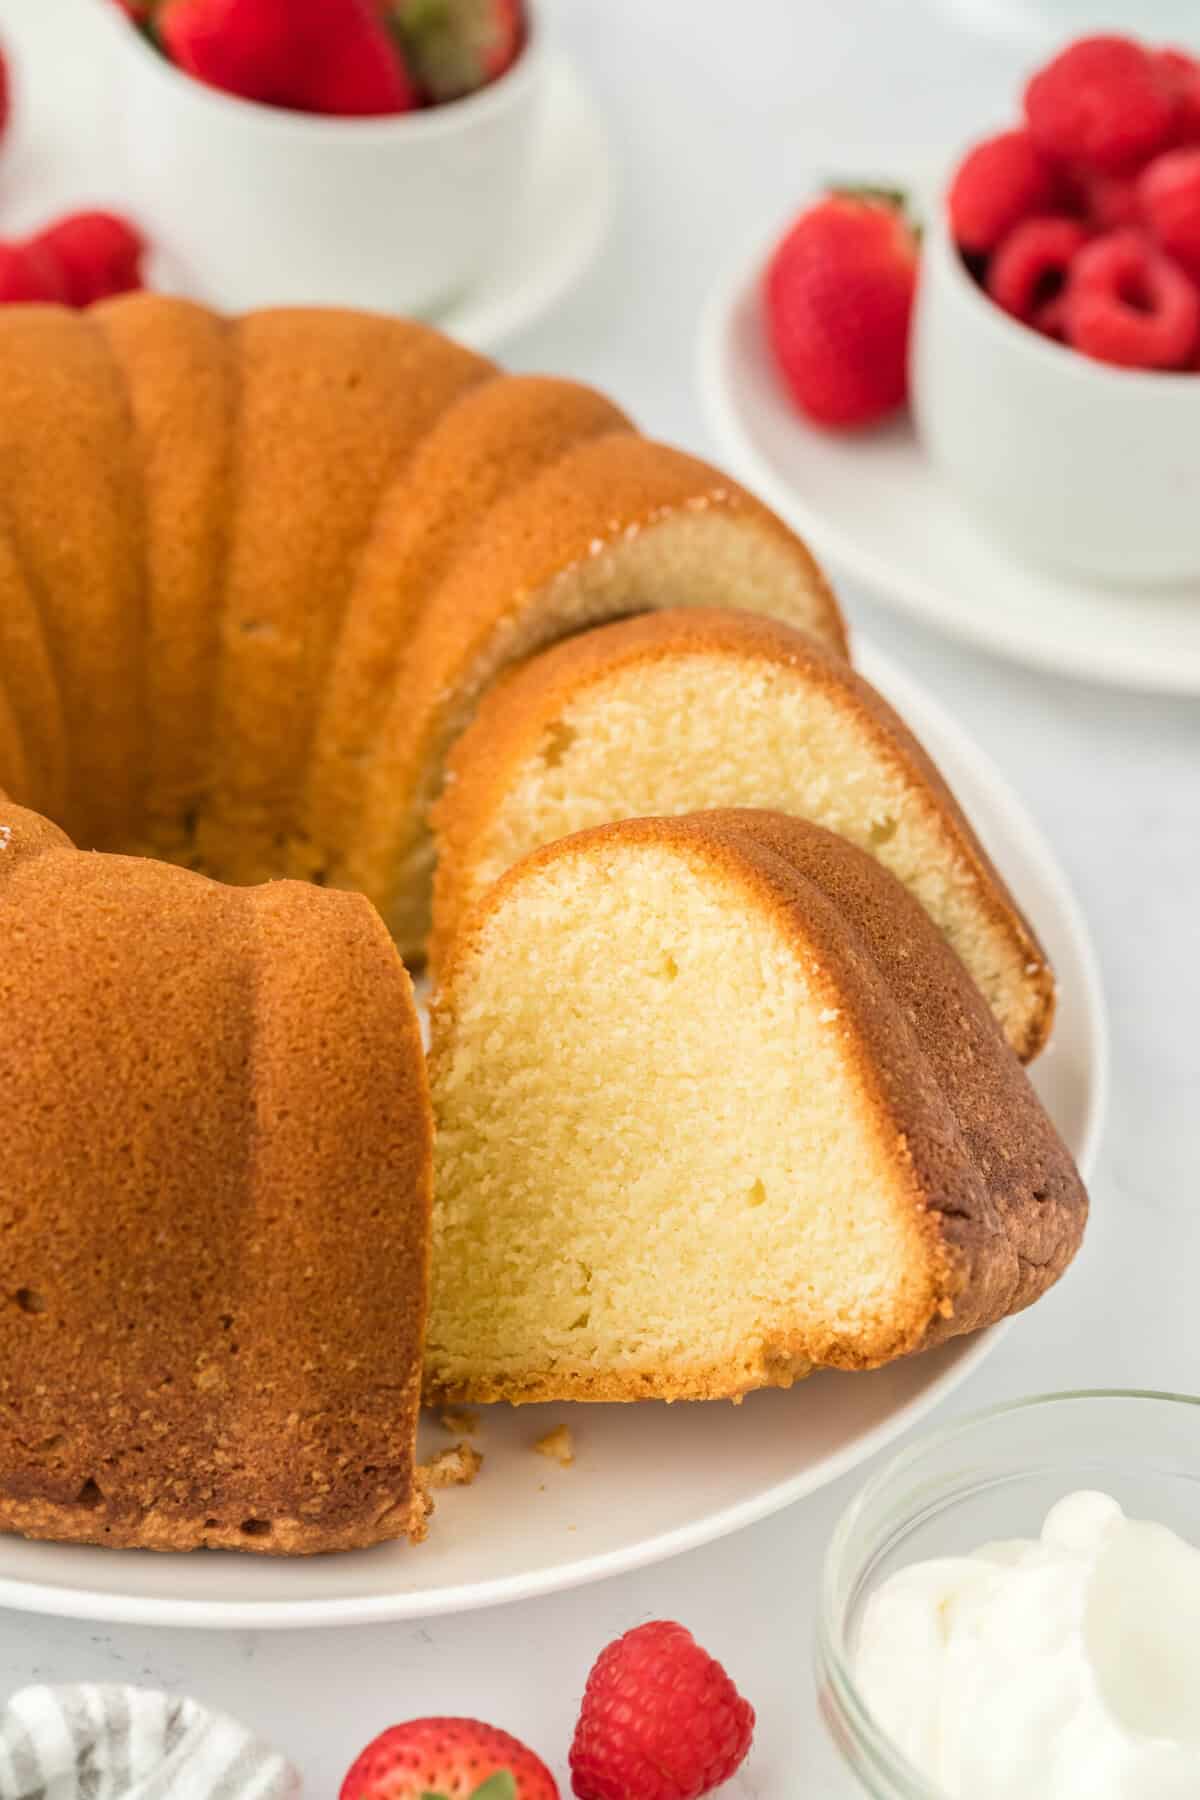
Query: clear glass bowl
point(995, 1475)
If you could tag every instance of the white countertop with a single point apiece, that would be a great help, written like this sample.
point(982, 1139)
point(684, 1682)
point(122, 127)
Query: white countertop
point(720, 116)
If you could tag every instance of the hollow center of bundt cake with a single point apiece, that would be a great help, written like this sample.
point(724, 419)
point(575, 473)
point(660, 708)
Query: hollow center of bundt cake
point(659, 1170)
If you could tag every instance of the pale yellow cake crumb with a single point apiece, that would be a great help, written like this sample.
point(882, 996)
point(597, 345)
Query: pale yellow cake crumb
point(456, 1467)
point(558, 1445)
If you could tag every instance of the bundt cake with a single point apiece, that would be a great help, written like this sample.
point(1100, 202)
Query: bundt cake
point(255, 575)
point(680, 711)
point(715, 1104)
point(215, 1208)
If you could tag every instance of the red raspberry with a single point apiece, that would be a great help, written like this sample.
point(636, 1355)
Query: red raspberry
point(660, 1720)
point(1110, 201)
point(1103, 102)
point(1028, 273)
point(27, 273)
point(838, 294)
point(1169, 193)
point(97, 253)
point(1182, 73)
point(1000, 182)
point(1127, 303)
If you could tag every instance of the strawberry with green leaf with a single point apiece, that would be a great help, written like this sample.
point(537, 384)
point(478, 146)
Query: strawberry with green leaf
point(456, 46)
point(448, 1759)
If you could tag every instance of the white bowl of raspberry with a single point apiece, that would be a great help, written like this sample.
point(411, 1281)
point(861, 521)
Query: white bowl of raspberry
point(396, 203)
point(1055, 356)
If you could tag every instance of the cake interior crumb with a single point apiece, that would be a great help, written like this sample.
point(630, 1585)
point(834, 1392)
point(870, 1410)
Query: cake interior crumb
point(456, 1467)
point(558, 1445)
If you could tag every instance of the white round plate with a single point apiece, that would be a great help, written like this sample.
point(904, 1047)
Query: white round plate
point(562, 224)
point(872, 507)
point(650, 1480)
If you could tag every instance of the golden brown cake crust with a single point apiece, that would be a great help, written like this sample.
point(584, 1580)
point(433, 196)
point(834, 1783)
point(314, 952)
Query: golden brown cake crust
point(255, 574)
point(1013, 1232)
point(1002, 1205)
point(70, 501)
point(523, 705)
point(215, 1208)
point(497, 435)
point(331, 404)
point(510, 593)
point(177, 363)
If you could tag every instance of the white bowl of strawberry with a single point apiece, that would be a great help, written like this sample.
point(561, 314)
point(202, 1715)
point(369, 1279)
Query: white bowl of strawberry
point(342, 152)
point(1044, 327)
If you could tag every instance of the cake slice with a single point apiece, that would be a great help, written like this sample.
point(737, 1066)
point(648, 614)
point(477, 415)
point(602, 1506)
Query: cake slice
point(495, 436)
point(684, 710)
point(617, 525)
point(715, 1105)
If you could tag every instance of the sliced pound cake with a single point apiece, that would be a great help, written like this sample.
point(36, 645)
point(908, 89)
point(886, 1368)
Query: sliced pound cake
point(684, 710)
point(715, 1105)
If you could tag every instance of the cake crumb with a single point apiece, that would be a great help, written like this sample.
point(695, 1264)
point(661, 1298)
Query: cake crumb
point(456, 1467)
point(558, 1446)
point(459, 1421)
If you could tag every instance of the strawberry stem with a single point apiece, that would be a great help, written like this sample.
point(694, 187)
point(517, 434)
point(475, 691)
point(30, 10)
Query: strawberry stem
point(873, 191)
point(499, 1786)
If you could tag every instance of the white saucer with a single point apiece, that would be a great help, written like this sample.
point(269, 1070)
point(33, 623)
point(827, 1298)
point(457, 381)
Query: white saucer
point(872, 507)
point(649, 1481)
point(561, 227)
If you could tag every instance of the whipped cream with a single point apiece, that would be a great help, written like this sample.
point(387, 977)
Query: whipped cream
point(1065, 1667)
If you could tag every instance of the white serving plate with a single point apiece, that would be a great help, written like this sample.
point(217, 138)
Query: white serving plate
point(649, 1480)
point(873, 508)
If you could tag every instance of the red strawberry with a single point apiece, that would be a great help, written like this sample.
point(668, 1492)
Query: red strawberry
point(5, 94)
point(1029, 271)
point(1127, 303)
point(660, 1720)
point(1182, 73)
point(1000, 182)
point(351, 63)
point(1169, 194)
point(1103, 102)
point(240, 46)
point(333, 56)
point(456, 46)
point(97, 253)
point(27, 273)
point(448, 1759)
point(838, 293)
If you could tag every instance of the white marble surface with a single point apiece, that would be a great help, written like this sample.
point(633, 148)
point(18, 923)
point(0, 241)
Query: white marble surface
point(720, 117)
